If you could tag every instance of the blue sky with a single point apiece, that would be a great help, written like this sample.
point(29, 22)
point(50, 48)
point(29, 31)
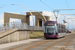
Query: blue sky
point(35, 5)
point(5, 6)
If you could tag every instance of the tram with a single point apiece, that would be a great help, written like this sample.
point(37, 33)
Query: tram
point(52, 29)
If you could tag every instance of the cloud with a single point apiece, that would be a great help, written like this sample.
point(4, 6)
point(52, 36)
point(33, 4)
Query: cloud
point(1, 21)
point(48, 13)
point(14, 20)
point(1, 18)
point(51, 14)
point(31, 20)
point(60, 18)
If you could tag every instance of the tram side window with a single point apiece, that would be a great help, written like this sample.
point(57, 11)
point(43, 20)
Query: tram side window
point(59, 29)
point(62, 29)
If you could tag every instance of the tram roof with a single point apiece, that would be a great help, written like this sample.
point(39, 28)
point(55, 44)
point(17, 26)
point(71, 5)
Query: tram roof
point(51, 21)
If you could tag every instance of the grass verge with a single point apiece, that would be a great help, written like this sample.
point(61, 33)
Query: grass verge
point(37, 34)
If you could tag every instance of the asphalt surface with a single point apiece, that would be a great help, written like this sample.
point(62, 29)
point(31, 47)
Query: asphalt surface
point(65, 43)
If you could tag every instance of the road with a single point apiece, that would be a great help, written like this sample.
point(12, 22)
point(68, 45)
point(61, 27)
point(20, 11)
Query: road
point(66, 43)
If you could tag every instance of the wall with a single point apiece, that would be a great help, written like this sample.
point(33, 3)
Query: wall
point(24, 18)
point(14, 35)
point(38, 16)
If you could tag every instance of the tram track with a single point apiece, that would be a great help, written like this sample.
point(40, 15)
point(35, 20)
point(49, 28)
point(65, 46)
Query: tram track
point(66, 44)
point(31, 43)
point(38, 45)
point(55, 44)
point(26, 45)
point(43, 43)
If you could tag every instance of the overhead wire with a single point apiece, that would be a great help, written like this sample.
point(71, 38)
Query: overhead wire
point(68, 6)
point(51, 7)
point(47, 5)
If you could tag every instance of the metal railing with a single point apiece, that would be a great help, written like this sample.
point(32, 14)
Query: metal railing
point(36, 28)
point(9, 26)
point(18, 25)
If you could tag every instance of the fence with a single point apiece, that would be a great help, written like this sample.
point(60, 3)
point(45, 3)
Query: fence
point(8, 26)
point(36, 28)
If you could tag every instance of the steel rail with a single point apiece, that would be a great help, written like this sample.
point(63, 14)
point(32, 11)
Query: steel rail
point(66, 44)
point(25, 45)
point(39, 45)
point(55, 44)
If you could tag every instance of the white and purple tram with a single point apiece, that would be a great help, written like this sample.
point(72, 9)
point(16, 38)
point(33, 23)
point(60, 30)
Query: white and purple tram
point(54, 30)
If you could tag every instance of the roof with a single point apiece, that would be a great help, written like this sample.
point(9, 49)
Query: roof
point(51, 21)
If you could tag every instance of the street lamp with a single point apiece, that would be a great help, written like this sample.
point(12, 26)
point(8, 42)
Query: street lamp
point(28, 10)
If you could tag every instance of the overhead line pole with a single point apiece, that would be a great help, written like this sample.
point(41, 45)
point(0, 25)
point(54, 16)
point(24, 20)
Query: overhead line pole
point(56, 15)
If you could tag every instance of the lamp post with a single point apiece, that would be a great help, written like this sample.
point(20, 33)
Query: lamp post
point(29, 11)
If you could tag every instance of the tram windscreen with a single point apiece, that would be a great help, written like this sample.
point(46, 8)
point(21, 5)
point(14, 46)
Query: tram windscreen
point(50, 29)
